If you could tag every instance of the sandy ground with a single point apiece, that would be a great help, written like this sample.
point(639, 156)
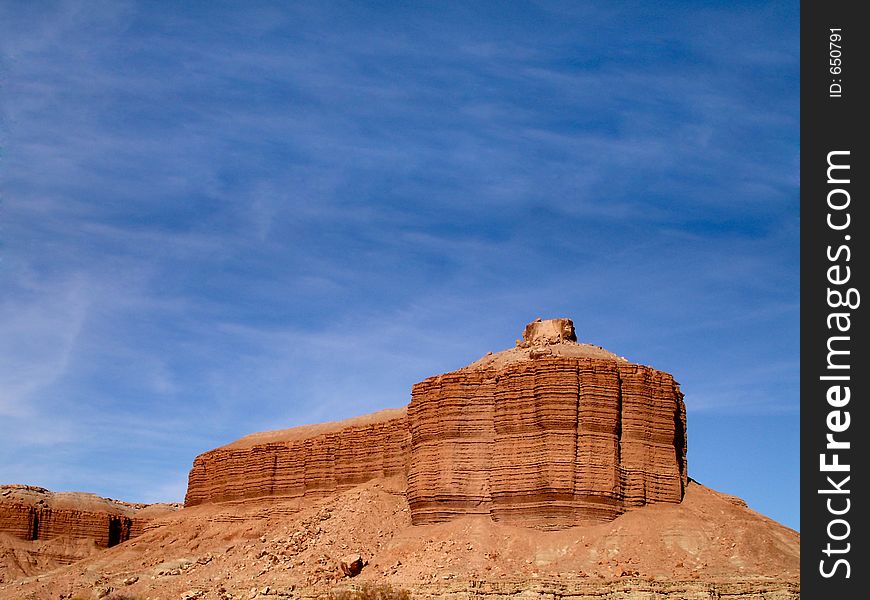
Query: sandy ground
point(500, 360)
point(292, 548)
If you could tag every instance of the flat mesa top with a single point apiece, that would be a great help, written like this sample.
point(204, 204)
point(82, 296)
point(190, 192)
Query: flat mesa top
point(555, 338)
point(30, 495)
point(302, 432)
point(541, 338)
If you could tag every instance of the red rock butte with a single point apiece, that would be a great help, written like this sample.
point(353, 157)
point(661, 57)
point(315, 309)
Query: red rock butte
point(471, 491)
point(33, 513)
point(550, 434)
point(41, 530)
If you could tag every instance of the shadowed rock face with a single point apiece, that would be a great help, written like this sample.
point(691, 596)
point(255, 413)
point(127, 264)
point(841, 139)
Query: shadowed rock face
point(34, 513)
point(550, 434)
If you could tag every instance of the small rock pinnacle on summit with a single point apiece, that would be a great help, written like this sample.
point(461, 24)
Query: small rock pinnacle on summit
point(545, 332)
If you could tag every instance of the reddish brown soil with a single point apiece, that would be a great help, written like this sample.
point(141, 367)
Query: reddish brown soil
point(550, 470)
point(512, 356)
point(293, 548)
point(41, 530)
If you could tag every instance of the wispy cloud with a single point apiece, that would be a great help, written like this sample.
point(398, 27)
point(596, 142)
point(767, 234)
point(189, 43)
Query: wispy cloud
point(38, 336)
point(215, 220)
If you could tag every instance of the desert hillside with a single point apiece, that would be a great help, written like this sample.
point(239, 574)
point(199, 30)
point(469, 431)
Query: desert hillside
point(552, 469)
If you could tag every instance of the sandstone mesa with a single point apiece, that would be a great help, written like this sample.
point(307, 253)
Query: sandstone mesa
point(507, 463)
point(549, 435)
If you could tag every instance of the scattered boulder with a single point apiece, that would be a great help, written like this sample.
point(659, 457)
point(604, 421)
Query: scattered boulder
point(352, 565)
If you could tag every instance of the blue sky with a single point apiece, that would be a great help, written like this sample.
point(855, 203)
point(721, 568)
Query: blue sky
point(222, 218)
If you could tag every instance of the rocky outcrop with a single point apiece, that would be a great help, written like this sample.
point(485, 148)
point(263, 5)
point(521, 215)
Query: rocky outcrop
point(547, 443)
point(710, 545)
point(544, 333)
point(552, 435)
point(310, 461)
point(43, 529)
point(30, 522)
point(34, 513)
point(549, 434)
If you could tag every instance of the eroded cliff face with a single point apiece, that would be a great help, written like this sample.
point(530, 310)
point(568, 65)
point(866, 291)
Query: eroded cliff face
point(45, 529)
point(308, 461)
point(547, 443)
point(553, 435)
point(549, 434)
point(34, 513)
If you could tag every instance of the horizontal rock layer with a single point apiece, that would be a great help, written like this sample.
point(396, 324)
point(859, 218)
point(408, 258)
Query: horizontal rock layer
point(32, 513)
point(300, 466)
point(709, 546)
point(37, 523)
point(547, 443)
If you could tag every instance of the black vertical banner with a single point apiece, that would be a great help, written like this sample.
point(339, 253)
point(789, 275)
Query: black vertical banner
point(835, 373)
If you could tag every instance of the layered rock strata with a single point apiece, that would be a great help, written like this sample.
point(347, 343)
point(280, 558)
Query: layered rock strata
point(549, 434)
point(308, 461)
point(33, 513)
point(548, 443)
point(711, 545)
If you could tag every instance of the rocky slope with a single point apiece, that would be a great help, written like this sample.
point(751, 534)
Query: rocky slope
point(551, 470)
point(40, 530)
point(709, 546)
